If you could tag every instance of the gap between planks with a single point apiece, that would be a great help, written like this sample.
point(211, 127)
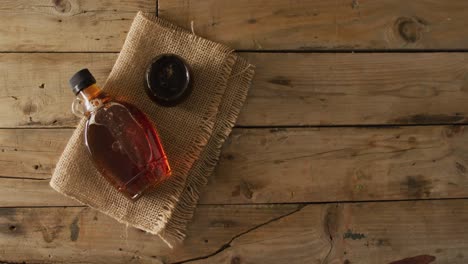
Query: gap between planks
point(272, 204)
point(278, 127)
point(331, 51)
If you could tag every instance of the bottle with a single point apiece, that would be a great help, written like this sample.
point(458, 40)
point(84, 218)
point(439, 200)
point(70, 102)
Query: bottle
point(121, 140)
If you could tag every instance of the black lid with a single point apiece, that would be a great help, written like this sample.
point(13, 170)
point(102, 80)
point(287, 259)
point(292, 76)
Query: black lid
point(81, 80)
point(168, 80)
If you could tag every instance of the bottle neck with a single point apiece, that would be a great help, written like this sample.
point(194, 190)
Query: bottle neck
point(90, 92)
point(93, 97)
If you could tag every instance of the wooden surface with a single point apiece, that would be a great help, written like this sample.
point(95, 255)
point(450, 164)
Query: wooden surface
point(337, 157)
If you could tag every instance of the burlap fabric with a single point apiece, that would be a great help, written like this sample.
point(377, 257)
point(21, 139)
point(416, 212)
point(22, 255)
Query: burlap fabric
point(192, 132)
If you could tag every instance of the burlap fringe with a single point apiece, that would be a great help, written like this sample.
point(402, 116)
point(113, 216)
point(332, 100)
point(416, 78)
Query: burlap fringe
point(206, 125)
point(174, 233)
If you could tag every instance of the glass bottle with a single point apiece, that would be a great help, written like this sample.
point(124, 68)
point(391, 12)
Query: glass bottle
point(122, 142)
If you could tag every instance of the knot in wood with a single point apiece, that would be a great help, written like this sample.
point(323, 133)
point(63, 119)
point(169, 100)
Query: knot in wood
point(62, 6)
point(410, 28)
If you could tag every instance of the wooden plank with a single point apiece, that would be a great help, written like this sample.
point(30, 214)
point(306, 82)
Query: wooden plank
point(67, 25)
point(322, 233)
point(288, 89)
point(350, 89)
point(316, 24)
point(280, 165)
point(341, 164)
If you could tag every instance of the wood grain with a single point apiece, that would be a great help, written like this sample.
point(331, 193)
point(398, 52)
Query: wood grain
point(67, 25)
point(324, 233)
point(289, 89)
point(279, 165)
point(316, 24)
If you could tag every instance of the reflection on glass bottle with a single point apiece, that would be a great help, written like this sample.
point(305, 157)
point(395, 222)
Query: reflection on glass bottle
point(123, 143)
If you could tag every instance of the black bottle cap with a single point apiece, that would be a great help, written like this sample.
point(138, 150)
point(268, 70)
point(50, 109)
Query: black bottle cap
point(81, 80)
point(168, 80)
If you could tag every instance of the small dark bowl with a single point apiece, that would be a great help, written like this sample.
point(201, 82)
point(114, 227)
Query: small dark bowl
point(168, 80)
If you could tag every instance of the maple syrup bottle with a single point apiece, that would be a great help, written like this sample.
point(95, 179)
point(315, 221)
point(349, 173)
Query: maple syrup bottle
point(123, 143)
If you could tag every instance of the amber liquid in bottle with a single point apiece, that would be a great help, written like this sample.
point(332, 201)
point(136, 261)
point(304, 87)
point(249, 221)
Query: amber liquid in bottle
point(123, 143)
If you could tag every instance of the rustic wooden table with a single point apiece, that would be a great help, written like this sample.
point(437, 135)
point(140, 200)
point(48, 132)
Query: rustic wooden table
point(351, 147)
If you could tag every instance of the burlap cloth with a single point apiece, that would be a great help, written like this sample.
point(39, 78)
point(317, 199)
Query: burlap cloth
point(192, 133)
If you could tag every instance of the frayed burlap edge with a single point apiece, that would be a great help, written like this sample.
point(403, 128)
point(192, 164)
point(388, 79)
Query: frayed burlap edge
point(231, 105)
